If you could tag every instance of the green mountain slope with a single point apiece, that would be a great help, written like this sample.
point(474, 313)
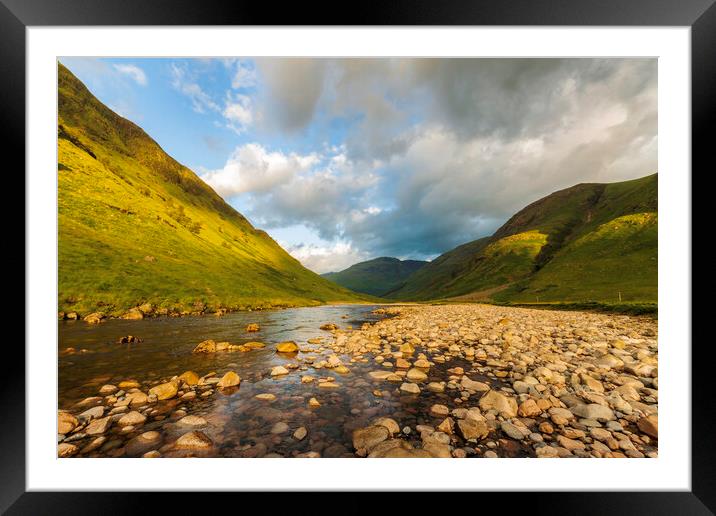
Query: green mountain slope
point(590, 242)
point(376, 277)
point(135, 226)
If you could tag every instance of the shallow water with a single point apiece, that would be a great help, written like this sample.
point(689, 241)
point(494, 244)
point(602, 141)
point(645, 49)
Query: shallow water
point(240, 424)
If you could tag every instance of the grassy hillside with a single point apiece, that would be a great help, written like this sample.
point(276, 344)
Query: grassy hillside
point(376, 277)
point(135, 226)
point(590, 242)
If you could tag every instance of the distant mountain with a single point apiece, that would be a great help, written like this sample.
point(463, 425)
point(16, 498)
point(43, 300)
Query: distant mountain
point(137, 227)
point(376, 277)
point(590, 242)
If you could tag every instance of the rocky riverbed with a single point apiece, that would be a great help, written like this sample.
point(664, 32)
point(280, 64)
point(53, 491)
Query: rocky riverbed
point(429, 381)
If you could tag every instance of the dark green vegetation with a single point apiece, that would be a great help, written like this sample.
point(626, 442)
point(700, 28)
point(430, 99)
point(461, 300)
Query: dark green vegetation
point(376, 277)
point(591, 243)
point(135, 226)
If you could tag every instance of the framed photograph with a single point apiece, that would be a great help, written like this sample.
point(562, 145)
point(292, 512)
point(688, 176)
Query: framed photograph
point(430, 232)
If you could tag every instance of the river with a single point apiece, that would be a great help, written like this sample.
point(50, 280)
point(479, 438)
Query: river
point(238, 423)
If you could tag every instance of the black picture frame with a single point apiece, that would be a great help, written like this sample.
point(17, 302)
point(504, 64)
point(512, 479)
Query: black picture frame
point(17, 15)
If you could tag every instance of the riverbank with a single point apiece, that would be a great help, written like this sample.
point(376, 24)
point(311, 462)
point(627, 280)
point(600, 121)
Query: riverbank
point(432, 381)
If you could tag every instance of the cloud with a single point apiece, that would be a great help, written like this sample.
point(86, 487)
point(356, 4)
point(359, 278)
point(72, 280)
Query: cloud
point(237, 111)
point(133, 71)
point(253, 169)
point(428, 154)
point(323, 259)
point(244, 76)
point(294, 86)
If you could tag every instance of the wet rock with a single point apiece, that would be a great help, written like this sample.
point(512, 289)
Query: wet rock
point(94, 318)
point(196, 421)
point(134, 314)
point(649, 425)
point(300, 433)
point(143, 443)
point(401, 363)
point(329, 327)
point(504, 405)
point(253, 327)
point(380, 375)
point(99, 426)
point(133, 418)
point(279, 371)
point(314, 403)
point(438, 410)
point(66, 422)
point(422, 363)
point(447, 426)
point(529, 408)
point(409, 388)
point(189, 377)
point(128, 384)
point(569, 444)
point(436, 387)
point(164, 391)
point(67, 450)
point(93, 444)
point(267, 396)
point(593, 411)
point(129, 339)
point(471, 429)
point(108, 389)
point(511, 430)
point(474, 386)
point(207, 346)
point(388, 423)
point(230, 379)
point(279, 428)
point(364, 439)
point(546, 452)
point(195, 440)
point(416, 375)
point(287, 347)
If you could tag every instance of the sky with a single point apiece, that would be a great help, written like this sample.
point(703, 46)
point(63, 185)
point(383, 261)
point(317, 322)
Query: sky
point(345, 160)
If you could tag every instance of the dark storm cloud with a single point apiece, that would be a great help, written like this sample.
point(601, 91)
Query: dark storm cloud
point(443, 151)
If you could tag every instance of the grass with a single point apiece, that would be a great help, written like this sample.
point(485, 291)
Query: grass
point(591, 243)
point(643, 308)
point(135, 226)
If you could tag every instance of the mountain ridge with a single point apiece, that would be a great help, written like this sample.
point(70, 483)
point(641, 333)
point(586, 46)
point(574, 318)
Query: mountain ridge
point(137, 227)
point(539, 253)
point(375, 277)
